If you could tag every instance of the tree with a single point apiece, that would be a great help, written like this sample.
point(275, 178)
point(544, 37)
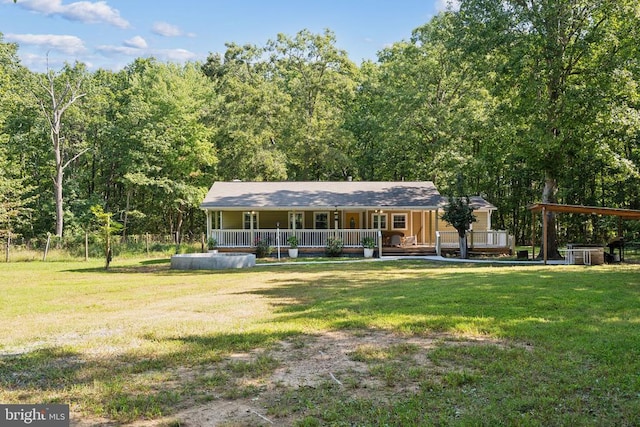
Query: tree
point(320, 81)
point(168, 147)
point(552, 58)
point(107, 227)
point(57, 93)
point(283, 115)
point(459, 213)
point(419, 113)
point(15, 197)
point(251, 119)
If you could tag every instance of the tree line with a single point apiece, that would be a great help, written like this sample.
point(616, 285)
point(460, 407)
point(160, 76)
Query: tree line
point(518, 101)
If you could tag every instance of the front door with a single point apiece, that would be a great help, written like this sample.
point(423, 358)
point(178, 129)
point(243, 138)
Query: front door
point(353, 220)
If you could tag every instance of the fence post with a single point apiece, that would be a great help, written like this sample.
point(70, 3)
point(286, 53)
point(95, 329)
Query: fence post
point(46, 247)
point(8, 246)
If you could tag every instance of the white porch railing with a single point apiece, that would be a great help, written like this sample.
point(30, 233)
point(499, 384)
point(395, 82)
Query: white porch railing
point(475, 239)
point(306, 238)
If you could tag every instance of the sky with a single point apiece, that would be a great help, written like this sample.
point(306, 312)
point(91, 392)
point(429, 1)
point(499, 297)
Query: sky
point(110, 34)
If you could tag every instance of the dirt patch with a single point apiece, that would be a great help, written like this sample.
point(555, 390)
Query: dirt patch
point(308, 362)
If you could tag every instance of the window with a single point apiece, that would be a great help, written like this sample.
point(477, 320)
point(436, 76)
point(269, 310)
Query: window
point(380, 221)
point(321, 220)
point(247, 220)
point(399, 221)
point(296, 220)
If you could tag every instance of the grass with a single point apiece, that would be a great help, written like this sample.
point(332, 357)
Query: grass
point(510, 345)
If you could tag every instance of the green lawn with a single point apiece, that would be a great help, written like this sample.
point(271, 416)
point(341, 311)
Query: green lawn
point(454, 344)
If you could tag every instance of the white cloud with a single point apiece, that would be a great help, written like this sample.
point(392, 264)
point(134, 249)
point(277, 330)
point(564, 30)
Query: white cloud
point(39, 62)
point(165, 29)
point(70, 45)
point(176, 55)
point(170, 55)
point(442, 5)
point(120, 50)
point(83, 11)
point(136, 42)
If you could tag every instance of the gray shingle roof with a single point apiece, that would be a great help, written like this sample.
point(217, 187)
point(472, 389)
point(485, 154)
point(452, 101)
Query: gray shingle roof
point(317, 194)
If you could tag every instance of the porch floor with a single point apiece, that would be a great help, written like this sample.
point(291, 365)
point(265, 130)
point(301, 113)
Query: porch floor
point(413, 250)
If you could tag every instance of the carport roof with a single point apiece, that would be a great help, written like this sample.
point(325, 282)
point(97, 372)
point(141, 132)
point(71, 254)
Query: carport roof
point(554, 207)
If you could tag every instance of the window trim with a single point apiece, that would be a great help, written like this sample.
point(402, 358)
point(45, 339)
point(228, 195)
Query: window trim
point(393, 221)
point(292, 220)
point(255, 221)
point(379, 216)
point(315, 220)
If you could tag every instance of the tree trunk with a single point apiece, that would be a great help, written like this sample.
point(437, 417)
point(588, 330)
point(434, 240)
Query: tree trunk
point(463, 246)
point(57, 184)
point(179, 221)
point(549, 195)
point(53, 109)
point(58, 151)
point(125, 220)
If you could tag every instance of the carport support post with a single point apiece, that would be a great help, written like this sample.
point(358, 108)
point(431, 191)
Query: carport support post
point(533, 235)
point(545, 245)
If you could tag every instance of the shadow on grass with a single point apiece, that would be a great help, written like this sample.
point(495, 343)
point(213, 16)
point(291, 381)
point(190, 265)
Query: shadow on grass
point(156, 266)
point(583, 309)
point(580, 322)
point(135, 384)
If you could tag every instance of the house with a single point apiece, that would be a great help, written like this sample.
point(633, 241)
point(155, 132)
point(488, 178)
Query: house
point(396, 214)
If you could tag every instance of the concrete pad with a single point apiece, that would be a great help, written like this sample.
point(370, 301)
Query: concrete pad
point(211, 261)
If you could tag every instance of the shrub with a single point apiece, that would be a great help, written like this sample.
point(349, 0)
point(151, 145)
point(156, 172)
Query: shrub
point(293, 241)
point(212, 243)
point(334, 247)
point(368, 242)
point(263, 248)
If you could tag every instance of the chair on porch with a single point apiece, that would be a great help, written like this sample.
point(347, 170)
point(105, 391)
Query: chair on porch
point(396, 240)
point(390, 238)
point(409, 241)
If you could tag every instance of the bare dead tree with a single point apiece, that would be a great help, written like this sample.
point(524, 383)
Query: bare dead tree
point(53, 106)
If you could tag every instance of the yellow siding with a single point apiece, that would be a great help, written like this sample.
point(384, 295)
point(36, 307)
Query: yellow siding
point(417, 228)
point(482, 221)
point(270, 219)
point(232, 220)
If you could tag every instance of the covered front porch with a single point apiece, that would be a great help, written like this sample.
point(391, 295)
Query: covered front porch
point(316, 240)
point(312, 228)
point(311, 239)
point(398, 216)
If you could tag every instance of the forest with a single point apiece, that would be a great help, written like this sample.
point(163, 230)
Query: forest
point(519, 101)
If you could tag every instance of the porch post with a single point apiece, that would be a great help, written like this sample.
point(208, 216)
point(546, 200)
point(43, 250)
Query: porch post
point(252, 225)
point(209, 227)
point(431, 230)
